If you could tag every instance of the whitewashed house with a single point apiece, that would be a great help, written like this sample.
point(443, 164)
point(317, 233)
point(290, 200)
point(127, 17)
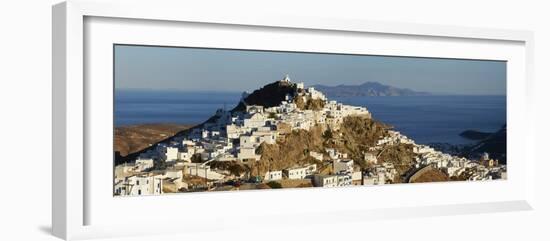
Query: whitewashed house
point(186, 154)
point(374, 178)
point(246, 141)
point(143, 164)
point(357, 177)
point(139, 185)
point(256, 120)
point(334, 154)
point(273, 175)
point(170, 153)
point(342, 165)
point(296, 172)
point(344, 180)
point(173, 173)
point(311, 169)
point(325, 180)
point(197, 169)
point(248, 153)
point(268, 137)
point(124, 169)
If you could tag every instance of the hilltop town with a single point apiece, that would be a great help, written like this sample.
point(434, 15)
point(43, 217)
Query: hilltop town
point(285, 135)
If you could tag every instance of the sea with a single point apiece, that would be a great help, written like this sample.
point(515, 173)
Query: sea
point(426, 119)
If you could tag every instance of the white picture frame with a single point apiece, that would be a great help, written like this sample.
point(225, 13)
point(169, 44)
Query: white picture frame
point(74, 197)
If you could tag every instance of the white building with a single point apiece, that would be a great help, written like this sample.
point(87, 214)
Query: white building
point(273, 175)
point(255, 121)
point(342, 166)
point(314, 94)
point(316, 155)
point(334, 154)
point(325, 180)
point(234, 131)
point(344, 180)
point(139, 185)
point(296, 172)
point(311, 169)
point(197, 169)
point(248, 153)
point(143, 164)
point(268, 137)
point(332, 180)
point(173, 173)
point(374, 178)
point(422, 149)
point(170, 154)
point(186, 154)
point(124, 169)
point(247, 141)
point(356, 177)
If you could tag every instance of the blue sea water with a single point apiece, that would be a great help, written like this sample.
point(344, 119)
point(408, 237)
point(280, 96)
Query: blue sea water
point(146, 107)
point(431, 119)
point(426, 119)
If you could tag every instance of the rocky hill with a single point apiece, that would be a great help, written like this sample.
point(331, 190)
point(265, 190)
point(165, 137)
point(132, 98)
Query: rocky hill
point(131, 140)
point(366, 89)
point(268, 96)
point(494, 144)
point(355, 136)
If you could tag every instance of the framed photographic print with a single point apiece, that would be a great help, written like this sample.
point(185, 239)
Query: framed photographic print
point(295, 119)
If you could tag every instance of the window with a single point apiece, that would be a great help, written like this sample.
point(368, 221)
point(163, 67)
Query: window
point(139, 192)
point(137, 182)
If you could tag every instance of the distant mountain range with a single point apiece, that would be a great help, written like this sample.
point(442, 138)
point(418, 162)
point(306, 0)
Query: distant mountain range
point(366, 89)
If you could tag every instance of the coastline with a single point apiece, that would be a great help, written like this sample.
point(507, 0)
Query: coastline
point(133, 138)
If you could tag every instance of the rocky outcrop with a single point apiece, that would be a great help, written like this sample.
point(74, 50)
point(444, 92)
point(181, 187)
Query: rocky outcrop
point(474, 135)
point(494, 144)
point(270, 95)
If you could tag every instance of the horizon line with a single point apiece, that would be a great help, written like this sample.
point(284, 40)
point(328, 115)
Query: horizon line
point(237, 91)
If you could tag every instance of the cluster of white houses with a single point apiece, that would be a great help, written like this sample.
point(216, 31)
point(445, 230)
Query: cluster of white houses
point(235, 136)
point(483, 169)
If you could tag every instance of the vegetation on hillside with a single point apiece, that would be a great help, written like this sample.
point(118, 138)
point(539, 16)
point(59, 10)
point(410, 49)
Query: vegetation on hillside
point(274, 184)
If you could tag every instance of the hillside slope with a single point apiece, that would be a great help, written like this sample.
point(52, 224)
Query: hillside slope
point(133, 138)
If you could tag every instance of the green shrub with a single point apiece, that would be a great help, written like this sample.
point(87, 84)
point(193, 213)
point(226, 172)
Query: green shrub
point(274, 184)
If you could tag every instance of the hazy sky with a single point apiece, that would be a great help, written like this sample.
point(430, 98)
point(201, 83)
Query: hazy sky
point(143, 67)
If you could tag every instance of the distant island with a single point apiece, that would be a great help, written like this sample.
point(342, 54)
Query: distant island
point(475, 135)
point(485, 142)
point(493, 143)
point(367, 89)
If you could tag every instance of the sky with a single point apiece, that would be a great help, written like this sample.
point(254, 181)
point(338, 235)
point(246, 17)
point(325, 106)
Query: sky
point(196, 69)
